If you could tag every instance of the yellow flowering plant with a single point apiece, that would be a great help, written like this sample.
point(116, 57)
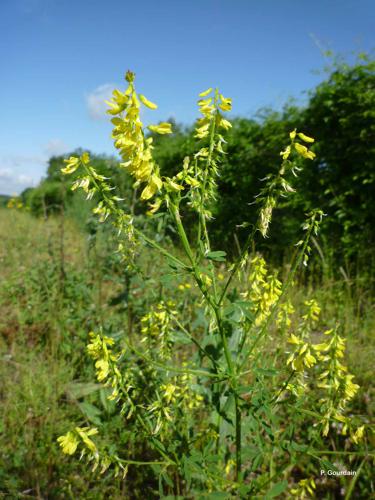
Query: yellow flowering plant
point(216, 383)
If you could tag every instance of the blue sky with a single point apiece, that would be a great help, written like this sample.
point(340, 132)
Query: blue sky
point(60, 58)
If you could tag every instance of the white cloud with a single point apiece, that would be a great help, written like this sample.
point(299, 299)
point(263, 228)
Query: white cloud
point(55, 147)
point(95, 101)
point(12, 182)
point(19, 171)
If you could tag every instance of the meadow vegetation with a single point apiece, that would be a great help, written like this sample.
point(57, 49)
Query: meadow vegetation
point(162, 334)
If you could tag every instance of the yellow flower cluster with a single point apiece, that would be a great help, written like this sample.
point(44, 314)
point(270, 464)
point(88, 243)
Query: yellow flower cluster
point(70, 441)
point(277, 185)
point(334, 377)
point(176, 395)
point(304, 489)
point(209, 126)
point(301, 149)
point(302, 355)
point(209, 110)
point(100, 350)
point(14, 203)
point(337, 382)
point(284, 315)
point(265, 289)
point(155, 326)
point(129, 138)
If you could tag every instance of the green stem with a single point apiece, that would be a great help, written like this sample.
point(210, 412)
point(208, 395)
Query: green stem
point(216, 310)
point(354, 480)
point(195, 341)
point(237, 265)
point(137, 462)
point(166, 368)
point(238, 436)
point(354, 453)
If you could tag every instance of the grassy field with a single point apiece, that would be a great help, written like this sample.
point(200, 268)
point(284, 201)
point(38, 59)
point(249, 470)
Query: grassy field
point(57, 284)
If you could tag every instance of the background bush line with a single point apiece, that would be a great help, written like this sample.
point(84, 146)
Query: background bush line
point(339, 114)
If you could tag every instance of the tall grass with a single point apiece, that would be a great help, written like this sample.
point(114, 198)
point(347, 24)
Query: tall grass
point(47, 378)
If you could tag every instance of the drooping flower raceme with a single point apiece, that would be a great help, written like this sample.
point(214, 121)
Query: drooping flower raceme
point(130, 140)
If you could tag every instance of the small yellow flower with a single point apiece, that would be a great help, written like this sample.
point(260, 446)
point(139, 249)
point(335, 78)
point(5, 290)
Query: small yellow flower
point(285, 154)
point(162, 128)
point(154, 185)
point(206, 92)
point(146, 102)
point(292, 134)
point(102, 369)
point(84, 433)
point(226, 103)
point(358, 435)
point(72, 165)
point(68, 443)
point(303, 151)
point(85, 158)
point(305, 137)
point(154, 207)
point(225, 124)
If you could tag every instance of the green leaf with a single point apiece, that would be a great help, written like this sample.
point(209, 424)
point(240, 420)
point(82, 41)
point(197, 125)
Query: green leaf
point(218, 255)
point(277, 489)
point(91, 412)
point(77, 390)
point(179, 337)
point(218, 495)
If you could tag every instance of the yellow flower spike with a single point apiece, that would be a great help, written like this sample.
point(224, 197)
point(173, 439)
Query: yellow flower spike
point(305, 138)
point(146, 102)
point(293, 134)
point(161, 128)
point(206, 92)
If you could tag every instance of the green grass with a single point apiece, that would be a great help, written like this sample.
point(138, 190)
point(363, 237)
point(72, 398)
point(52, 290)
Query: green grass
point(55, 286)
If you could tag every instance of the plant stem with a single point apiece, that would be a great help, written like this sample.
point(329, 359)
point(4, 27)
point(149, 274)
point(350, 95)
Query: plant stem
point(238, 436)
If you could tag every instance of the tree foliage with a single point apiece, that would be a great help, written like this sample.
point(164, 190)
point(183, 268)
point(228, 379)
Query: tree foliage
point(340, 114)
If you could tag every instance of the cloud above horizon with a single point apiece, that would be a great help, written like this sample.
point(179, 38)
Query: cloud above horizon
point(13, 183)
point(20, 171)
point(55, 147)
point(95, 101)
